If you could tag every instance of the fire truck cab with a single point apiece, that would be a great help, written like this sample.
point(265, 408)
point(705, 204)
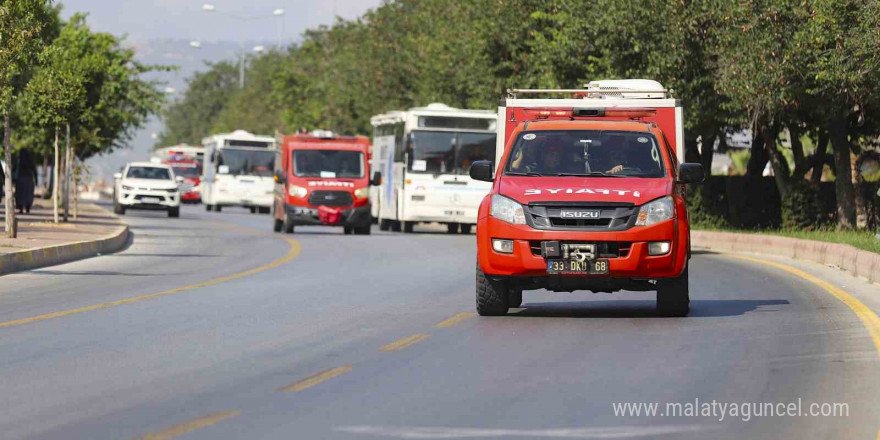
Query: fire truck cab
point(588, 194)
point(323, 179)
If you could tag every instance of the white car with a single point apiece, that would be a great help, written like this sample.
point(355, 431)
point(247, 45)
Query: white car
point(147, 185)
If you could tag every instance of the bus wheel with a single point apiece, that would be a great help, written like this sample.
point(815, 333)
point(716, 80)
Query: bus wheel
point(408, 226)
point(384, 224)
point(208, 207)
point(395, 225)
point(466, 229)
point(452, 228)
point(218, 208)
point(346, 230)
point(253, 209)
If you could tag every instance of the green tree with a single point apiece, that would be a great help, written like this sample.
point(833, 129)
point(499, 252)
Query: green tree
point(207, 95)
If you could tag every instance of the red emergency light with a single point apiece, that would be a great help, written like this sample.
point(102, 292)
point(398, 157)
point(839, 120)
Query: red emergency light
point(555, 113)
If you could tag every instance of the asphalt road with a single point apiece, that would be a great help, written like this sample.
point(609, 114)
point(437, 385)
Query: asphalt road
point(337, 337)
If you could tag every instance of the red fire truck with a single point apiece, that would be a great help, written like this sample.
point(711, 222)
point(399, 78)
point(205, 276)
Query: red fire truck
point(323, 179)
point(588, 194)
point(186, 161)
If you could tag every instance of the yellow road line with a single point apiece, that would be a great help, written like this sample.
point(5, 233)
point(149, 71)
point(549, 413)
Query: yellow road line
point(185, 427)
point(294, 250)
point(866, 315)
point(402, 343)
point(455, 319)
point(316, 378)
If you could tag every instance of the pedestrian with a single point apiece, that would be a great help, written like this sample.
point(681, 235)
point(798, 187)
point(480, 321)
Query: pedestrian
point(2, 180)
point(25, 175)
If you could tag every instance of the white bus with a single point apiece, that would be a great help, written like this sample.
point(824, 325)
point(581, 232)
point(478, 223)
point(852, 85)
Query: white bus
point(424, 155)
point(238, 171)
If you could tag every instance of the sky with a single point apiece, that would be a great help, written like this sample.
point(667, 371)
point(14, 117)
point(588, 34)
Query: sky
point(160, 32)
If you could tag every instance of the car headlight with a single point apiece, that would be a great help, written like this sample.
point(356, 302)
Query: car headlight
point(507, 210)
point(362, 193)
point(172, 190)
point(297, 191)
point(655, 212)
point(127, 188)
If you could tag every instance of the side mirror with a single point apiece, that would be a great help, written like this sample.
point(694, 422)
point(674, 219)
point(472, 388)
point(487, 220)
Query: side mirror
point(179, 179)
point(377, 179)
point(481, 170)
point(691, 173)
point(279, 176)
point(117, 176)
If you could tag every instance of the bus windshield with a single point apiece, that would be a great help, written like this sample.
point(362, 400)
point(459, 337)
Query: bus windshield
point(443, 152)
point(247, 162)
point(328, 163)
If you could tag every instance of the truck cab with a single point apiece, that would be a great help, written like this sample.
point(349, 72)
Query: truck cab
point(588, 193)
point(322, 179)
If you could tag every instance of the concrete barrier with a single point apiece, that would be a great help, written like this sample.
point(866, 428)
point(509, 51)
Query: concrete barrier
point(859, 262)
point(63, 253)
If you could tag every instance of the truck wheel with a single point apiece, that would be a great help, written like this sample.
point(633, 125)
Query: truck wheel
point(278, 225)
point(408, 226)
point(253, 209)
point(452, 228)
point(364, 230)
point(673, 298)
point(208, 208)
point(492, 296)
point(514, 298)
point(288, 225)
point(465, 229)
point(346, 230)
point(384, 224)
point(174, 212)
point(218, 208)
point(395, 225)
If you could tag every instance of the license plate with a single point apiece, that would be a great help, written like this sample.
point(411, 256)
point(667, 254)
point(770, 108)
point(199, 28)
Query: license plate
point(150, 200)
point(586, 267)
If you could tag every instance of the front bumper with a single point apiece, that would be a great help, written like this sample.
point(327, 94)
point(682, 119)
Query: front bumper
point(141, 199)
point(635, 264)
point(307, 216)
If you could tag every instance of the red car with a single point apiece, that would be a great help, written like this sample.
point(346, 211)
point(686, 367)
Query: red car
point(588, 194)
point(323, 179)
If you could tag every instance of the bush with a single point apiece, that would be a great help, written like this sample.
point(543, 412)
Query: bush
point(707, 205)
point(802, 209)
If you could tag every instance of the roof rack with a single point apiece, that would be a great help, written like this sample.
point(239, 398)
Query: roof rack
point(604, 92)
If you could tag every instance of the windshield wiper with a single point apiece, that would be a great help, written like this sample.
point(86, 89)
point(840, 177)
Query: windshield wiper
point(530, 173)
point(590, 174)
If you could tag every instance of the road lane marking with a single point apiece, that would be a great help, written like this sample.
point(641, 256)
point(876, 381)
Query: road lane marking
point(402, 343)
point(455, 319)
point(185, 427)
point(316, 378)
point(294, 250)
point(865, 314)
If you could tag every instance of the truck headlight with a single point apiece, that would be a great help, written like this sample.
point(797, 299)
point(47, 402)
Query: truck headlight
point(655, 212)
point(507, 210)
point(362, 193)
point(297, 191)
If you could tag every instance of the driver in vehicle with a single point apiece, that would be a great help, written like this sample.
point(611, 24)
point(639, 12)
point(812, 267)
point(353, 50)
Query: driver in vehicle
point(617, 154)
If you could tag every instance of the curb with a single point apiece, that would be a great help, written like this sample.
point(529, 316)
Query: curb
point(858, 262)
point(63, 253)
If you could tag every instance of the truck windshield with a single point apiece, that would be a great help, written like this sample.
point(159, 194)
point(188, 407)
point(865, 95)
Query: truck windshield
point(328, 163)
point(247, 162)
point(586, 153)
point(155, 173)
point(442, 152)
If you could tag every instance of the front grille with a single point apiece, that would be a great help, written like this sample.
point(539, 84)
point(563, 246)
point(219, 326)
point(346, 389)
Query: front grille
point(611, 216)
point(605, 249)
point(579, 223)
point(331, 198)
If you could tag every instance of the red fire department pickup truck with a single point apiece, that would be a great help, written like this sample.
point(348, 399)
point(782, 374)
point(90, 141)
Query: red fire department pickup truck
point(322, 179)
point(588, 194)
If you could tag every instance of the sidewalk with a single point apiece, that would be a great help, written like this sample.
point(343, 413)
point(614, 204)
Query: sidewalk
point(42, 243)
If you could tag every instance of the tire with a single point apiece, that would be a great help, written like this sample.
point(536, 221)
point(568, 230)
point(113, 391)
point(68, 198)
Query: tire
point(466, 229)
point(174, 212)
point(209, 208)
point(277, 225)
point(452, 228)
point(288, 225)
point(346, 230)
point(492, 296)
point(253, 209)
point(384, 224)
point(264, 210)
point(364, 230)
point(673, 296)
point(395, 226)
point(408, 226)
point(514, 298)
point(218, 208)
